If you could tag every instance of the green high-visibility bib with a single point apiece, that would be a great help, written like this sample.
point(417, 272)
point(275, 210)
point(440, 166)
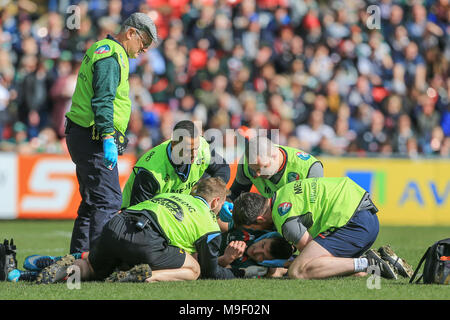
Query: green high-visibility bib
point(157, 161)
point(182, 217)
point(298, 164)
point(321, 203)
point(81, 111)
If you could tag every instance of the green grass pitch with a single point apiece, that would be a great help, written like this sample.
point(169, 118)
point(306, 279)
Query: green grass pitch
point(53, 237)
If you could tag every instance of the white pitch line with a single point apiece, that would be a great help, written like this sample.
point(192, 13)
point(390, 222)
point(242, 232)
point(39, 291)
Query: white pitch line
point(65, 234)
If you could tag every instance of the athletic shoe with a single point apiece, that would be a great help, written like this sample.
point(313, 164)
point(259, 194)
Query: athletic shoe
point(37, 262)
point(136, 274)
point(17, 275)
point(386, 270)
point(402, 267)
point(55, 272)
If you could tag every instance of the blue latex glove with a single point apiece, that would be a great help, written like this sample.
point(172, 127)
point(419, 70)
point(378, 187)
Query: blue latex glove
point(110, 153)
point(225, 213)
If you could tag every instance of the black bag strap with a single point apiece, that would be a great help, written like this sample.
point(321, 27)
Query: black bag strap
point(444, 242)
point(418, 267)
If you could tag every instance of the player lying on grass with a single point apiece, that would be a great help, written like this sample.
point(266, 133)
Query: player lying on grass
point(156, 239)
point(242, 248)
point(331, 221)
point(239, 249)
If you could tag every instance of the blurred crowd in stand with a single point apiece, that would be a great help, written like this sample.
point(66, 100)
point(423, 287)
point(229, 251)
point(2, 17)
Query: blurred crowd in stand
point(335, 77)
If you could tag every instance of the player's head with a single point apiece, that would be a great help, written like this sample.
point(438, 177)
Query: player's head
point(213, 190)
point(262, 157)
point(185, 142)
point(251, 210)
point(269, 249)
point(137, 33)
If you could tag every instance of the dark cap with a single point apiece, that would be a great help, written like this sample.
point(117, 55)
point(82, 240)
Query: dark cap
point(142, 22)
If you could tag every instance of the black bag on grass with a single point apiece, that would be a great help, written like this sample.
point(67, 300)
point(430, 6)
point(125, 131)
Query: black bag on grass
point(437, 264)
point(8, 259)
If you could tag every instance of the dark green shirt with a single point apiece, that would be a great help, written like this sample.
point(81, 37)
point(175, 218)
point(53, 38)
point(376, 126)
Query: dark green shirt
point(105, 81)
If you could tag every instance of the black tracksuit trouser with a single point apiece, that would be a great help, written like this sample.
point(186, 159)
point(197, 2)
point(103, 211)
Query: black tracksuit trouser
point(99, 187)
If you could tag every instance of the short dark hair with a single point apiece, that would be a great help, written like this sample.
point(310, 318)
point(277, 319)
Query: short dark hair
point(280, 249)
point(247, 207)
point(185, 128)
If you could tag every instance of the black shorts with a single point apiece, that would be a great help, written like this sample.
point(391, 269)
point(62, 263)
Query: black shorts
point(122, 245)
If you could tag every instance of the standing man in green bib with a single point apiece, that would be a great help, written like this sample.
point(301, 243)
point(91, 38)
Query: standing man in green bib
point(331, 221)
point(96, 125)
point(269, 167)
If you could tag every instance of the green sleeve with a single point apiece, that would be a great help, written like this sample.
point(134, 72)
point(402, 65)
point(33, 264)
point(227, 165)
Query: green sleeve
point(105, 81)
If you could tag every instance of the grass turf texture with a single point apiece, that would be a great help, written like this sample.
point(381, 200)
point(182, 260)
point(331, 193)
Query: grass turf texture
point(53, 237)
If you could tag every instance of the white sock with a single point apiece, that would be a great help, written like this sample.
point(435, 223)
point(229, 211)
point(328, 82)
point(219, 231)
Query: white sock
point(360, 264)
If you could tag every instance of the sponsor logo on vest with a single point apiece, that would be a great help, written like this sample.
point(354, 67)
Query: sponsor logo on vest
point(149, 156)
point(293, 176)
point(284, 208)
point(303, 155)
point(103, 49)
point(313, 193)
point(172, 206)
point(298, 187)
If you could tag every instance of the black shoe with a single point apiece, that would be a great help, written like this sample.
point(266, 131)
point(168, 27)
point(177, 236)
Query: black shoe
point(402, 267)
point(386, 269)
point(55, 272)
point(136, 274)
point(8, 261)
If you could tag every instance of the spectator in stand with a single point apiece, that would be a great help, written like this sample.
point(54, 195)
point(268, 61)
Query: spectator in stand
point(417, 27)
point(392, 110)
point(361, 93)
point(412, 66)
point(311, 134)
point(32, 94)
point(19, 141)
point(61, 92)
point(372, 139)
point(339, 143)
point(321, 104)
point(434, 144)
point(403, 134)
point(427, 119)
